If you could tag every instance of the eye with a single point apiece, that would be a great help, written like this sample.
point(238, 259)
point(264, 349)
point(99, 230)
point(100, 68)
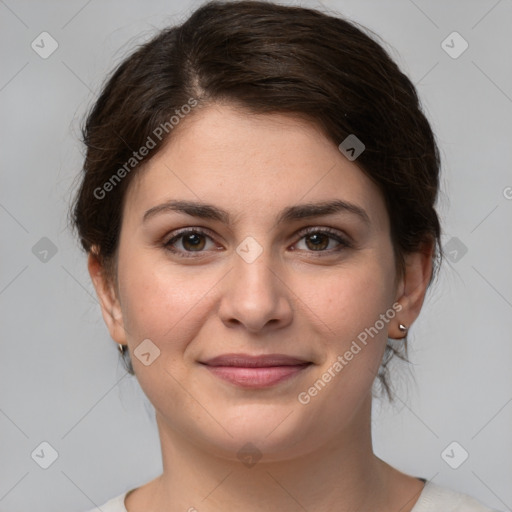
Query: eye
point(192, 240)
point(316, 240)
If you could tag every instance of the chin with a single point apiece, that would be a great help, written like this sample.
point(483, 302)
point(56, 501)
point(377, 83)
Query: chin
point(269, 432)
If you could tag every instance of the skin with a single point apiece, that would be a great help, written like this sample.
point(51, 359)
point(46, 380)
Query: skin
point(292, 299)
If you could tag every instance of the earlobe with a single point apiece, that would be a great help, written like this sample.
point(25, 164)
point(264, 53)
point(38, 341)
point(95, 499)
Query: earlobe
point(413, 287)
point(109, 302)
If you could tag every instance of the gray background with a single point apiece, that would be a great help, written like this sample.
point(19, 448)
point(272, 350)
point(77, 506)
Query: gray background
point(61, 380)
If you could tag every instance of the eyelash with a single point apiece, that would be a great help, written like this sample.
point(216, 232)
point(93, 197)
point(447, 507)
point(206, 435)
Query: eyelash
point(344, 243)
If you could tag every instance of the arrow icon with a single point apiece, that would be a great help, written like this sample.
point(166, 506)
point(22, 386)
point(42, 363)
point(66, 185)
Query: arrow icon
point(147, 352)
point(455, 249)
point(454, 45)
point(454, 455)
point(44, 250)
point(44, 45)
point(249, 249)
point(351, 147)
point(44, 455)
point(249, 455)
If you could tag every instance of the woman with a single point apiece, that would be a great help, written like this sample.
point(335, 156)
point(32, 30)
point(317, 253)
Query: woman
point(258, 210)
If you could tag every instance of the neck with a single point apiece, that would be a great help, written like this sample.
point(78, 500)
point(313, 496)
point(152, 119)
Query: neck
point(343, 474)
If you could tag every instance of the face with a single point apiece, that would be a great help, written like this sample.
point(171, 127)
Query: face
point(240, 323)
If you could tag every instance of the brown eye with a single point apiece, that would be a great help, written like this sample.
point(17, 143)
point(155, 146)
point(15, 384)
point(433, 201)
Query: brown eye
point(318, 240)
point(186, 242)
point(192, 240)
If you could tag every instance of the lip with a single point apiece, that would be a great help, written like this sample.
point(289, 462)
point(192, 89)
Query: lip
point(249, 361)
point(262, 371)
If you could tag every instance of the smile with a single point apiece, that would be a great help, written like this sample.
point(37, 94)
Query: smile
point(256, 371)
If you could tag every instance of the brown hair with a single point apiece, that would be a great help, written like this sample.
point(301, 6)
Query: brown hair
point(265, 58)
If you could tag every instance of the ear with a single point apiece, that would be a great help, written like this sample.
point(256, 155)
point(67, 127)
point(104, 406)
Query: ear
point(109, 302)
point(412, 287)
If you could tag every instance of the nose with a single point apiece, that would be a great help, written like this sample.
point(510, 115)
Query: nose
point(255, 295)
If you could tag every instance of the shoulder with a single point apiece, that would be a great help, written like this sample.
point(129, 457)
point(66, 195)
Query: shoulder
point(113, 505)
point(434, 496)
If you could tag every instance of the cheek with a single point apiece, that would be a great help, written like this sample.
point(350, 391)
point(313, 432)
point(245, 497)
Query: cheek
point(159, 300)
point(353, 338)
point(167, 307)
point(352, 332)
point(350, 300)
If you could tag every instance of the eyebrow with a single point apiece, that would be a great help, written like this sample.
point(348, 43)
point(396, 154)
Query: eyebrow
point(291, 213)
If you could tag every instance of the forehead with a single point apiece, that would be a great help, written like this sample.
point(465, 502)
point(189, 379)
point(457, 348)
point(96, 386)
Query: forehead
point(251, 164)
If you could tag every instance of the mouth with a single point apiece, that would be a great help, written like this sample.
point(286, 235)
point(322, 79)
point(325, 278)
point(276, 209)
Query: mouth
point(256, 371)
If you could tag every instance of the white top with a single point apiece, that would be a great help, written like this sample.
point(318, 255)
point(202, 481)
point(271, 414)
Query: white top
point(433, 498)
